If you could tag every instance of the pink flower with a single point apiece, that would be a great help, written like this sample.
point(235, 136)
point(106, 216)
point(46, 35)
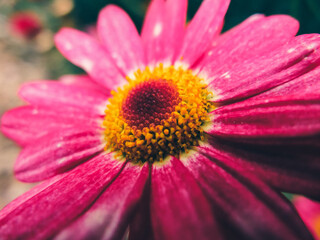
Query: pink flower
point(177, 133)
point(310, 214)
point(25, 24)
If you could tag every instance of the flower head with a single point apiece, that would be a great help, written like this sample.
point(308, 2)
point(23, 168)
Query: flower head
point(175, 133)
point(161, 112)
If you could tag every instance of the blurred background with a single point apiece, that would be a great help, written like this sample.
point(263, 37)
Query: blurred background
point(27, 52)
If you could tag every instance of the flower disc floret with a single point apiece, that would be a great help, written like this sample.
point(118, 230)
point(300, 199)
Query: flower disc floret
point(160, 112)
point(149, 102)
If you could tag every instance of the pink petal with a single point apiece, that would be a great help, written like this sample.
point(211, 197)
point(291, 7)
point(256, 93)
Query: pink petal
point(290, 116)
point(86, 52)
point(304, 85)
point(29, 195)
point(163, 30)
point(140, 226)
point(203, 28)
point(28, 123)
point(254, 37)
point(153, 31)
point(42, 215)
point(109, 216)
point(247, 207)
point(308, 209)
point(179, 210)
point(58, 95)
point(310, 212)
point(83, 81)
point(245, 79)
point(121, 38)
point(290, 167)
point(175, 20)
point(57, 152)
point(255, 18)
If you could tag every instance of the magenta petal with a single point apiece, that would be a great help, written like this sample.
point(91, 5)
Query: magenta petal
point(304, 85)
point(276, 117)
point(42, 213)
point(202, 29)
point(109, 216)
point(140, 226)
point(290, 116)
point(246, 206)
point(290, 167)
point(121, 38)
point(245, 79)
point(153, 31)
point(87, 53)
point(56, 153)
point(58, 95)
point(309, 211)
point(27, 123)
point(28, 195)
point(254, 37)
point(163, 30)
point(176, 14)
point(83, 81)
point(179, 210)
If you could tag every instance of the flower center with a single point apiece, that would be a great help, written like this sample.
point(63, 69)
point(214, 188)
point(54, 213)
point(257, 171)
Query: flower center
point(160, 112)
point(149, 103)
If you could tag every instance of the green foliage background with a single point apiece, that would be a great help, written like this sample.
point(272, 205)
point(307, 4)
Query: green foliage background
point(306, 11)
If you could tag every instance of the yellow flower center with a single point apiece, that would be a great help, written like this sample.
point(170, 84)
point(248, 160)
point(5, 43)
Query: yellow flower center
point(160, 112)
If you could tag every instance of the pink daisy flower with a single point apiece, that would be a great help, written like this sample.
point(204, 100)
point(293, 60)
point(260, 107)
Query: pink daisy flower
point(176, 133)
point(310, 213)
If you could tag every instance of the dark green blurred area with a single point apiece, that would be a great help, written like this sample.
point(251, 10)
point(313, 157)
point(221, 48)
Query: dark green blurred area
point(306, 11)
point(85, 12)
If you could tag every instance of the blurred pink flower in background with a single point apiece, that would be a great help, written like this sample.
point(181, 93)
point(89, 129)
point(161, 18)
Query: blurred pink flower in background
point(177, 133)
point(25, 24)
